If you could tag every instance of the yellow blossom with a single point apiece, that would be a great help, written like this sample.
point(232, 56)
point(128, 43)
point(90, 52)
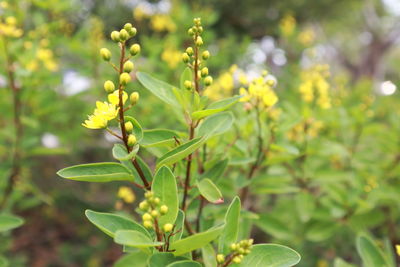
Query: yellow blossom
point(259, 93)
point(126, 194)
point(287, 25)
point(107, 110)
point(160, 23)
point(222, 86)
point(306, 37)
point(171, 56)
point(398, 250)
point(114, 97)
point(95, 122)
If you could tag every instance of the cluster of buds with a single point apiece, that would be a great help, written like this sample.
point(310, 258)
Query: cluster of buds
point(153, 210)
point(9, 28)
point(238, 251)
point(191, 56)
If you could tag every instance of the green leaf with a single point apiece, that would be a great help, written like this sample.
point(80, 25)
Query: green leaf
point(216, 171)
point(341, 263)
point(163, 259)
point(3, 262)
point(9, 222)
point(196, 241)
point(216, 124)
point(97, 172)
point(370, 253)
point(270, 255)
point(185, 263)
point(215, 107)
point(158, 137)
point(120, 153)
point(305, 205)
point(179, 224)
point(210, 191)
point(137, 259)
point(164, 186)
point(209, 257)
point(180, 152)
point(110, 223)
point(134, 238)
point(186, 75)
point(231, 230)
point(137, 128)
point(273, 227)
point(320, 231)
point(159, 88)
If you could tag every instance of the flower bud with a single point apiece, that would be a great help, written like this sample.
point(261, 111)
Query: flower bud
point(199, 41)
point(123, 35)
point(197, 21)
point(163, 209)
point(200, 29)
point(204, 72)
point(237, 260)
point(147, 224)
point(144, 205)
point(190, 32)
point(124, 78)
point(132, 32)
point(115, 36)
point(148, 194)
point(220, 258)
point(185, 57)
point(128, 66)
point(270, 82)
point(246, 252)
point(128, 126)
point(250, 241)
point(168, 227)
point(187, 84)
point(135, 49)
point(127, 26)
point(109, 86)
point(105, 54)
point(208, 80)
point(233, 246)
point(240, 250)
point(155, 213)
point(205, 55)
point(156, 201)
point(147, 217)
point(189, 51)
point(134, 98)
point(131, 140)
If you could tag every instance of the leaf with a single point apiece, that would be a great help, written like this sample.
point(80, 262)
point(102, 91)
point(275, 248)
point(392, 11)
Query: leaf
point(163, 259)
point(164, 186)
point(185, 263)
point(158, 137)
point(134, 238)
point(120, 153)
point(216, 171)
point(186, 75)
point(210, 191)
point(179, 224)
point(231, 230)
point(160, 89)
point(3, 262)
point(137, 128)
point(320, 231)
point(273, 227)
point(196, 241)
point(137, 259)
point(370, 253)
point(341, 263)
point(215, 107)
point(9, 222)
point(110, 223)
point(97, 172)
point(270, 255)
point(305, 205)
point(216, 124)
point(209, 256)
point(180, 152)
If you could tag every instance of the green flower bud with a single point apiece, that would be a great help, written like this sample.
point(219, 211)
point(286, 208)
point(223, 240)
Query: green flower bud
point(132, 32)
point(199, 41)
point(204, 72)
point(109, 86)
point(128, 66)
point(240, 250)
point(135, 49)
point(189, 51)
point(128, 126)
point(200, 29)
point(270, 82)
point(155, 213)
point(163, 209)
point(197, 21)
point(156, 201)
point(124, 78)
point(208, 80)
point(191, 32)
point(123, 35)
point(205, 55)
point(237, 260)
point(185, 57)
point(131, 140)
point(148, 194)
point(105, 54)
point(148, 224)
point(134, 98)
point(127, 26)
point(147, 217)
point(168, 227)
point(250, 241)
point(246, 252)
point(220, 258)
point(187, 84)
point(233, 246)
point(115, 36)
point(144, 205)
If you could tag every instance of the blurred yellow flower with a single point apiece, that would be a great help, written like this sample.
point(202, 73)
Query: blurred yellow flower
point(398, 250)
point(171, 56)
point(222, 86)
point(161, 23)
point(9, 29)
point(126, 194)
point(306, 37)
point(287, 25)
point(114, 97)
point(314, 85)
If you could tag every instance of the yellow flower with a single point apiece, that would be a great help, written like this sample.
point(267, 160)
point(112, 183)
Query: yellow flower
point(95, 122)
point(398, 250)
point(172, 56)
point(287, 25)
point(106, 110)
point(126, 194)
point(160, 23)
point(306, 37)
point(222, 86)
point(114, 97)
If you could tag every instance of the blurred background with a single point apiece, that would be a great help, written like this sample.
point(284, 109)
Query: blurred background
point(54, 52)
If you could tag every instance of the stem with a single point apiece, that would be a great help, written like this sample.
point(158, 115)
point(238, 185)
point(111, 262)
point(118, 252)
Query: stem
point(122, 121)
point(16, 158)
point(196, 65)
point(188, 169)
point(201, 206)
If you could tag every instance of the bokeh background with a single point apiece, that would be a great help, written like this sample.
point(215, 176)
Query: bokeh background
point(58, 67)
